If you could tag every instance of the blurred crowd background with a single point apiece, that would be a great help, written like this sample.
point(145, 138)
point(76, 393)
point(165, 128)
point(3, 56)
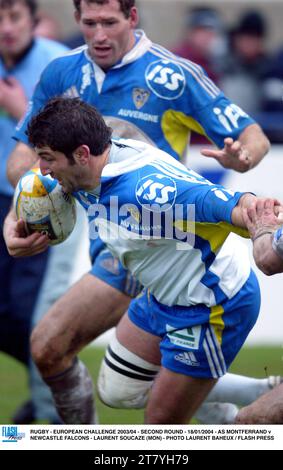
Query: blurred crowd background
point(240, 44)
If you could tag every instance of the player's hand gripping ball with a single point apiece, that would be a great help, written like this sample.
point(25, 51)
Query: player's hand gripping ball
point(41, 202)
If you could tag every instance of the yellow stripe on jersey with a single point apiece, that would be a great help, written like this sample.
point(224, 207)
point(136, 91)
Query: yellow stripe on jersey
point(177, 128)
point(216, 321)
point(214, 233)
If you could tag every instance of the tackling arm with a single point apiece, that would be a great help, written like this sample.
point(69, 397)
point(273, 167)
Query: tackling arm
point(263, 218)
point(265, 230)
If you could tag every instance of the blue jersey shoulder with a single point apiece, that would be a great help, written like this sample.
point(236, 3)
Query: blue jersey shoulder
point(65, 64)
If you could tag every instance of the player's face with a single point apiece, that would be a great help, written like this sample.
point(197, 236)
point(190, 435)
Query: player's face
point(16, 30)
point(107, 32)
point(69, 174)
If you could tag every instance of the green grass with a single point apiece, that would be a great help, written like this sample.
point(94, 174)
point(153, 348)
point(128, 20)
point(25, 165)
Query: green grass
point(256, 362)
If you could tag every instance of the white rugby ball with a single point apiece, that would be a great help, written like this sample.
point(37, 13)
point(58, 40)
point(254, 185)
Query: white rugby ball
point(41, 202)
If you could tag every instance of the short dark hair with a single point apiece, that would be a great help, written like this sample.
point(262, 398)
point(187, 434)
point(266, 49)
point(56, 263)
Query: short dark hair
point(31, 4)
point(125, 5)
point(66, 123)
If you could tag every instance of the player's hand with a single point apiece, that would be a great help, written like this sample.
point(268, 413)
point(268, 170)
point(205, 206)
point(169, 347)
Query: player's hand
point(18, 243)
point(12, 98)
point(234, 155)
point(263, 216)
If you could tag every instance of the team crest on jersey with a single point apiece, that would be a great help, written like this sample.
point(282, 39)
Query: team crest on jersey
point(135, 214)
point(165, 79)
point(157, 191)
point(140, 97)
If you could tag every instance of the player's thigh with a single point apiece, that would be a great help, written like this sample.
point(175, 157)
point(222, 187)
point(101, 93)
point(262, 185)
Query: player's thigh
point(89, 308)
point(110, 270)
point(138, 341)
point(175, 397)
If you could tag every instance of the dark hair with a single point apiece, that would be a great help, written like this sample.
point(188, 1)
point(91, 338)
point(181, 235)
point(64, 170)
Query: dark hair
point(252, 23)
point(125, 5)
point(31, 4)
point(66, 123)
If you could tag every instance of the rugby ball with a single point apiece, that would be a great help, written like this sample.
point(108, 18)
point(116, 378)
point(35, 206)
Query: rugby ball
point(41, 202)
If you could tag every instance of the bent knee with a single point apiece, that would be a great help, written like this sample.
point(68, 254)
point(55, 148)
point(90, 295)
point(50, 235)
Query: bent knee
point(124, 379)
point(45, 348)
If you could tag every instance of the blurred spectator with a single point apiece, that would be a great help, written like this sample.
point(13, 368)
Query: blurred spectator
point(271, 116)
point(247, 62)
point(273, 83)
point(74, 41)
point(203, 40)
point(47, 26)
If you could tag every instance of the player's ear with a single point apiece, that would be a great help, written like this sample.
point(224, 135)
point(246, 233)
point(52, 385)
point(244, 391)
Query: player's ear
point(81, 155)
point(134, 17)
point(77, 16)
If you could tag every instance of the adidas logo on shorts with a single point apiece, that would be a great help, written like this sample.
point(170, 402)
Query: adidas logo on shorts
point(187, 358)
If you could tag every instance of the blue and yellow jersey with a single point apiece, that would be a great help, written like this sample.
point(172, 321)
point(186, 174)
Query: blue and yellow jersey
point(167, 225)
point(151, 95)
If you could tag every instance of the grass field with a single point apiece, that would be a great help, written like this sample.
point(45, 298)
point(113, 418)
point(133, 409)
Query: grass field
point(257, 362)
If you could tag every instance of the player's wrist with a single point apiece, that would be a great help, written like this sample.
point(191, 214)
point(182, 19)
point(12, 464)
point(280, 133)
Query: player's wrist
point(261, 233)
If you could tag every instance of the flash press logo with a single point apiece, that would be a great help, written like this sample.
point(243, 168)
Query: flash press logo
point(11, 434)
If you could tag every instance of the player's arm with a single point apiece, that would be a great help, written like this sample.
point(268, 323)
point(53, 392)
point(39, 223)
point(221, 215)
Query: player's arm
point(266, 258)
point(268, 214)
point(240, 142)
point(22, 159)
point(243, 153)
point(263, 219)
point(18, 243)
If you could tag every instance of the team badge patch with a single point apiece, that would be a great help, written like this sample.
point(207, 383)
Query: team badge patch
point(140, 97)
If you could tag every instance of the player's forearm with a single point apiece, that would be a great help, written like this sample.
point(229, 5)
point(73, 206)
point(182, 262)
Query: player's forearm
point(21, 160)
point(267, 260)
point(256, 143)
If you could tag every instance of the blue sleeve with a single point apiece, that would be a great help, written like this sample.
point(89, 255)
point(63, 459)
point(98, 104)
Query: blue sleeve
point(217, 205)
point(212, 203)
point(221, 119)
point(217, 115)
point(47, 87)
